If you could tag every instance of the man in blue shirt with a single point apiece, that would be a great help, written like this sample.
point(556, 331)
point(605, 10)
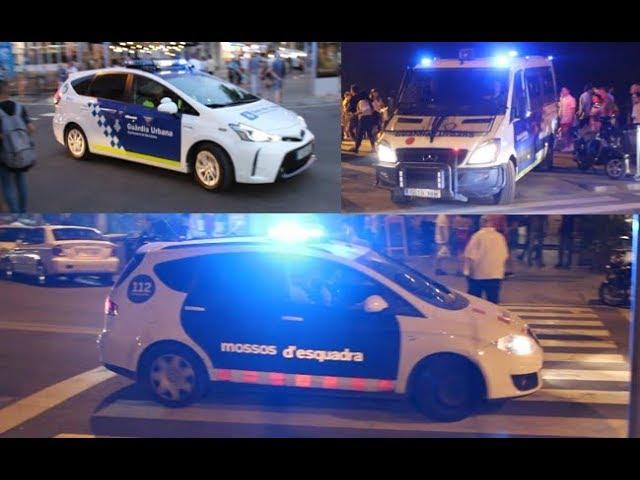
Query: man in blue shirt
point(278, 71)
point(254, 73)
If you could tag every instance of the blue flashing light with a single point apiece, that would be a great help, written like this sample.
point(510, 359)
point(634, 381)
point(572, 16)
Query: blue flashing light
point(294, 233)
point(550, 57)
point(425, 61)
point(501, 61)
point(513, 53)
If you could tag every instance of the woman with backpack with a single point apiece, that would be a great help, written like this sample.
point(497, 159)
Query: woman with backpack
point(17, 153)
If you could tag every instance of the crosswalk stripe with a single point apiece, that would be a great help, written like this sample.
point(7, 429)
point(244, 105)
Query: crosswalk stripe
point(499, 425)
point(577, 396)
point(573, 331)
point(577, 343)
point(583, 357)
point(590, 375)
point(74, 435)
point(583, 316)
point(44, 327)
point(567, 323)
point(557, 306)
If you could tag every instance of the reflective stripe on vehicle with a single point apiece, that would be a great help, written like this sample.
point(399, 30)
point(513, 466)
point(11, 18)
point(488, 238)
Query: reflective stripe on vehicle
point(299, 380)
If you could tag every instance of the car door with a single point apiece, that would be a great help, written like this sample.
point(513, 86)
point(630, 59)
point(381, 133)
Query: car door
point(330, 332)
point(233, 311)
point(106, 108)
point(149, 134)
point(523, 122)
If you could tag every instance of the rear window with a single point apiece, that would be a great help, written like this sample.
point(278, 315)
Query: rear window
point(76, 234)
point(109, 86)
point(12, 234)
point(81, 85)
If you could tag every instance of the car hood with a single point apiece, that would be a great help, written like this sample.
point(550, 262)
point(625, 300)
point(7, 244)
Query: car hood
point(266, 116)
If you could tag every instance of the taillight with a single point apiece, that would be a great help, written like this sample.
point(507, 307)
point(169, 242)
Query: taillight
point(57, 252)
point(110, 307)
point(56, 97)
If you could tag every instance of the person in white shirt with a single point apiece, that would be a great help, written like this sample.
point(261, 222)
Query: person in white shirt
point(635, 103)
point(442, 242)
point(567, 116)
point(485, 258)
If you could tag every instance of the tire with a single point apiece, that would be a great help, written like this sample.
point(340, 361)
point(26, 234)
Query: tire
point(615, 168)
point(76, 142)
point(608, 299)
point(177, 366)
point(447, 388)
point(507, 195)
point(399, 198)
point(212, 168)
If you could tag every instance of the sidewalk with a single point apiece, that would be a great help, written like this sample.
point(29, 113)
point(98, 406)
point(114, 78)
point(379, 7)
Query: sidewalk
point(542, 286)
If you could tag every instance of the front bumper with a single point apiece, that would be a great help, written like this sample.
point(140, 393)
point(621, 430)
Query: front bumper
point(443, 181)
point(508, 376)
point(62, 265)
point(271, 161)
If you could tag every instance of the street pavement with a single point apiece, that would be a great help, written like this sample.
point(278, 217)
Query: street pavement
point(563, 190)
point(60, 184)
point(51, 384)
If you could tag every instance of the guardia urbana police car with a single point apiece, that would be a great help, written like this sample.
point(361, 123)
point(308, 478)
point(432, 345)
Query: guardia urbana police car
point(169, 116)
point(311, 313)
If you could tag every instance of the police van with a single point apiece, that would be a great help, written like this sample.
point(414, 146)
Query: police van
point(317, 314)
point(469, 128)
point(167, 115)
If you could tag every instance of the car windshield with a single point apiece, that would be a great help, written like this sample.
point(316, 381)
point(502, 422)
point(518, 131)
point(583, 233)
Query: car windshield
point(11, 234)
point(209, 90)
point(410, 279)
point(455, 91)
point(76, 234)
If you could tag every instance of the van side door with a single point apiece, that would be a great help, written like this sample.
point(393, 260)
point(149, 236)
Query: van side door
point(523, 122)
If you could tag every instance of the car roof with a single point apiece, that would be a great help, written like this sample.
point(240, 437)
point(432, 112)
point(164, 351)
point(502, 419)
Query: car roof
point(335, 248)
point(515, 63)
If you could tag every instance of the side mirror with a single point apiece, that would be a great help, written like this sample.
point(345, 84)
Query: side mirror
point(167, 106)
point(375, 304)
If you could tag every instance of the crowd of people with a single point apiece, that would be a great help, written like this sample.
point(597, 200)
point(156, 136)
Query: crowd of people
point(260, 75)
point(364, 114)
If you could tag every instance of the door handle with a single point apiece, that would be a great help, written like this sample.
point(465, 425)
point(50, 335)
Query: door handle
point(130, 117)
point(194, 308)
point(291, 318)
point(109, 110)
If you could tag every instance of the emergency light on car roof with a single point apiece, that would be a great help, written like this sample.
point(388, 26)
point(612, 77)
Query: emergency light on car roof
point(152, 66)
point(294, 233)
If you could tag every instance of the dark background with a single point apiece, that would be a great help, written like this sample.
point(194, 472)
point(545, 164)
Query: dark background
point(381, 65)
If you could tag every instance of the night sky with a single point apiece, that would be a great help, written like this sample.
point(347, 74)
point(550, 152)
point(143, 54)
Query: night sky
point(381, 65)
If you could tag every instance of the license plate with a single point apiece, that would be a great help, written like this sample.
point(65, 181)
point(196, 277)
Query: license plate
point(304, 152)
point(422, 192)
point(89, 252)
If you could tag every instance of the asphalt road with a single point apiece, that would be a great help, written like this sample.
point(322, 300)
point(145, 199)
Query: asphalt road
point(51, 386)
point(563, 190)
point(60, 184)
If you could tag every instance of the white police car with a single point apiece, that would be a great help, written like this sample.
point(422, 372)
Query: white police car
point(172, 117)
point(318, 314)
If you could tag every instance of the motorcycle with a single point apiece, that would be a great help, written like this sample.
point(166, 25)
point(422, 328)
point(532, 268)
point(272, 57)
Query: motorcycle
point(603, 147)
point(615, 290)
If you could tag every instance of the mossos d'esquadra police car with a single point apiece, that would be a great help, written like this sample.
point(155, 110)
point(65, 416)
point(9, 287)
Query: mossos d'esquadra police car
point(320, 314)
point(469, 128)
point(170, 116)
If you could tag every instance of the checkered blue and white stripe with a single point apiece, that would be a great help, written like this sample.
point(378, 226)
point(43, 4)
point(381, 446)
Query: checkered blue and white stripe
point(110, 132)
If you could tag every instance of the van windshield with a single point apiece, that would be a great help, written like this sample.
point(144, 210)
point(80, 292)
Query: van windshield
point(414, 281)
point(455, 91)
point(209, 90)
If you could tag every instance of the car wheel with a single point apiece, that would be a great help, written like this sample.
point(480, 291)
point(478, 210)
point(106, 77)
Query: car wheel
point(174, 376)
point(611, 296)
point(399, 198)
point(447, 388)
point(212, 168)
point(41, 274)
point(615, 168)
point(76, 142)
point(508, 193)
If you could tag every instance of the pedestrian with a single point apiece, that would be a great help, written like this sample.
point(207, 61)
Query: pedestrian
point(17, 154)
point(254, 73)
point(211, 65)
point(635, 104)
point(234, 73)
point(462, 231)
point(566, 242)
point(62, 74)
point(584, 105)
point(366, 118)
point(352, 109)
point(71, 68)
point(485, 258)
point(345, 116)
point(278, 71)
point(567, 116)
point(535, 248)
point(378, 105)
point(441, 238)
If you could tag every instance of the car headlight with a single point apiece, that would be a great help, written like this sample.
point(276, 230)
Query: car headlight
point(485, 153)
point(302, 121)
point(516, 344)
point(386, 154)
point(250, 134)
